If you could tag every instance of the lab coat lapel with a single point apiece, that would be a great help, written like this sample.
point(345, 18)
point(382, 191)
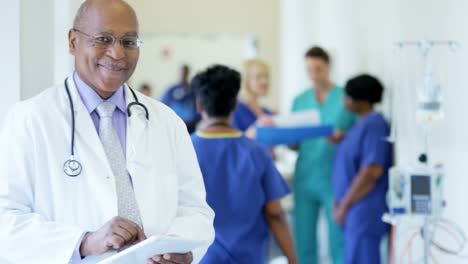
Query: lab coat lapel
point(136, 134)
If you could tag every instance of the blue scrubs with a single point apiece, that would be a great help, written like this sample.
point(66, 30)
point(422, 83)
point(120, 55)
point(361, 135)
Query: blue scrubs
point(365, 144)
point(240, 178)
point(243, 117)
point(182, 101)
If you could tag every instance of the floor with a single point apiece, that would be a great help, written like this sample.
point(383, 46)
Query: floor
point(276, 256)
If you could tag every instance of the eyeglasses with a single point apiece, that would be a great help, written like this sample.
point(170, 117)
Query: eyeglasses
point(106, 40)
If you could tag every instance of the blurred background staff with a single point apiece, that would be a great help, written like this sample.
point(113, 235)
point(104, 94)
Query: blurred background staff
point(360, 177)
point(243, 184)
point(256, 83)
point(146, 89)
point(181, 98)
point(312, 177)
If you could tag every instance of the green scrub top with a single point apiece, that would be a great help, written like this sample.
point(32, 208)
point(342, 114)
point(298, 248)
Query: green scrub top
point(314, 164)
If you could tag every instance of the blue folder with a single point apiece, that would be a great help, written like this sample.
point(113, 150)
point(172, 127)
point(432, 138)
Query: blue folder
point(272, 136)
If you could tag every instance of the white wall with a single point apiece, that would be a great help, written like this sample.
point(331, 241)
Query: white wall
point(10, 50)
point(293, 43)
point(64, 12)
point(160, 71)
point(259, 18)
point(35, 54)
point(37, 46)
point(360, 35)
point(44, 58)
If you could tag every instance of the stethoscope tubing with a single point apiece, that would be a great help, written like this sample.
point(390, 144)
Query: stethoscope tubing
point(68, 168)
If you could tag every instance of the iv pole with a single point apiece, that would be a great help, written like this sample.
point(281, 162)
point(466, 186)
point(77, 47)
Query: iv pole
point(425, 46)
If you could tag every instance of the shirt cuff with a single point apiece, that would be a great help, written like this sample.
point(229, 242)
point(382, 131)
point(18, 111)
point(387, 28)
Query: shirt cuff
point(76, 257)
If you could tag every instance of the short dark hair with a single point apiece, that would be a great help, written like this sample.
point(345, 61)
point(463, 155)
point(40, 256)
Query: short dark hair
point(365, 87)
point(217, 88)
point(319, 53)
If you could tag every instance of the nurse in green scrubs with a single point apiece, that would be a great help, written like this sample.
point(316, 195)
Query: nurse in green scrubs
point(312, 179)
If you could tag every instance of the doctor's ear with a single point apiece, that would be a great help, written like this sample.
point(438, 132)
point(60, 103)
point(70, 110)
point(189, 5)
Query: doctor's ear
point(72, 41)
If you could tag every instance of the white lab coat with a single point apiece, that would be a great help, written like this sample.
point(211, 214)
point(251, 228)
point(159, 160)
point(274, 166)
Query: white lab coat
point(44, 212)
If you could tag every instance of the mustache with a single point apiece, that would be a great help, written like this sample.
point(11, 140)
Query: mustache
point(115, 66)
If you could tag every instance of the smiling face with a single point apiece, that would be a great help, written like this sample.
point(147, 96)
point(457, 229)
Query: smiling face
point(104, 69)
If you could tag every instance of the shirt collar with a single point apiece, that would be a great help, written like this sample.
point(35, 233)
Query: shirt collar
point(92, 100)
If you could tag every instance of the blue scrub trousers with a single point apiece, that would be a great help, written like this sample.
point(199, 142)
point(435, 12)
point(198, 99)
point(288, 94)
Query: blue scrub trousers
point(362, 248)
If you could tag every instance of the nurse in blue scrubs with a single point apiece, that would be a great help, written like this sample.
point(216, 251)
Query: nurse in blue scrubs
point(360, 177)
point(256, 83)
point(243, 186)
point(181, 98)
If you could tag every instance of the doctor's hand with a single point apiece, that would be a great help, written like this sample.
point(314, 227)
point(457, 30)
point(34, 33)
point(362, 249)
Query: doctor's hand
point(172, 259)
point(115, 234)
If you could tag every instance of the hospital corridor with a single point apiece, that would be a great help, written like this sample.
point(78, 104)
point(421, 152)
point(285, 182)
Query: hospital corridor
point(233, 132)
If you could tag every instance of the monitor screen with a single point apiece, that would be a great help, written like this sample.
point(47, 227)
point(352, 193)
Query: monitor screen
point(420, 185)
point(421, 194)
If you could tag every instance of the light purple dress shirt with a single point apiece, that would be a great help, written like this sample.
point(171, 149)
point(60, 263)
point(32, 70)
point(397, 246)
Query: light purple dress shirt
point(92, 100)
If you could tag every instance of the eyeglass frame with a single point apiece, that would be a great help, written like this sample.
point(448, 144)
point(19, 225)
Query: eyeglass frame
point(126, 48)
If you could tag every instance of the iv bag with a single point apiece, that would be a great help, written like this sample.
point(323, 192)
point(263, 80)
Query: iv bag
point(430, 97)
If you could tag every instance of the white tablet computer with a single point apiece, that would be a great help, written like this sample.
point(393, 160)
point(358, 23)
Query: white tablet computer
point(152, 246)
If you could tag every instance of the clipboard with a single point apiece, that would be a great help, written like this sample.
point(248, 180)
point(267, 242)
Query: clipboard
point(272, 136)
point(152, 246)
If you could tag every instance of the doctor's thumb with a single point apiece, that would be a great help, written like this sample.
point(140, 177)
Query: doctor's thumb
point(141, 235)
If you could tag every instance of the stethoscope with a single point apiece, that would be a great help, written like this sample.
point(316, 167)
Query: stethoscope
point(72, 167)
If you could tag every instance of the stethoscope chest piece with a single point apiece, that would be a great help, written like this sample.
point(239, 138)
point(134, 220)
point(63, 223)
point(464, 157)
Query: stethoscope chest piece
point(72, 168)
